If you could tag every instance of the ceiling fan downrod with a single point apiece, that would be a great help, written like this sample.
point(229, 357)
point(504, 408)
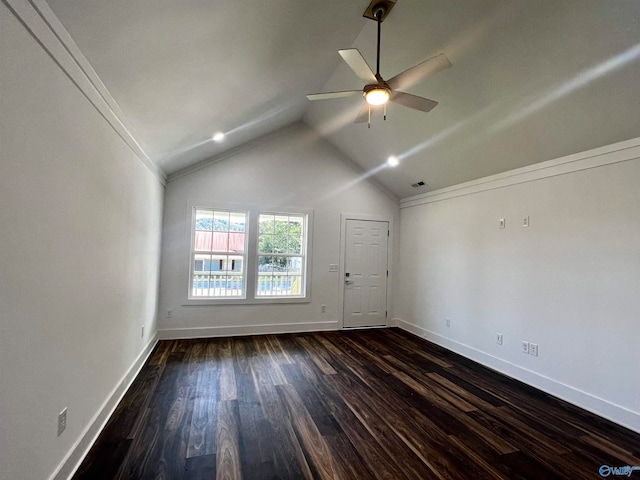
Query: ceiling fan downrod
point(379, 13)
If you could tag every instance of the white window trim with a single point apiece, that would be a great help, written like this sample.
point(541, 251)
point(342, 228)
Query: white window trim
point(251, 254)
point(193, 252)
point(305, 254)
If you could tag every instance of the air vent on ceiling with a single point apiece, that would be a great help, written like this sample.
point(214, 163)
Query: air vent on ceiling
point(418, 184)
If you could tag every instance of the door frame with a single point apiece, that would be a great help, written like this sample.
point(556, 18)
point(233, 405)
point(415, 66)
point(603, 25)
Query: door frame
point(343, 248)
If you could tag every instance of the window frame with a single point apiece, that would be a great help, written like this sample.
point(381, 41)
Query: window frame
point(304, 247)
point(193, 252)
point(250, 258)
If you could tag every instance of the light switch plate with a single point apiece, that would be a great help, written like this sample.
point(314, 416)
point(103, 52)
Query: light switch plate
point(333, 267)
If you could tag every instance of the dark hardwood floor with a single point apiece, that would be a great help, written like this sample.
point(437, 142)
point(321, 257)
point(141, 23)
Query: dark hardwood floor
point(375, 404)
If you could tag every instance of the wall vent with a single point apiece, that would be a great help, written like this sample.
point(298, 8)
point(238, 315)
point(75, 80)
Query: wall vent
point(418, 184)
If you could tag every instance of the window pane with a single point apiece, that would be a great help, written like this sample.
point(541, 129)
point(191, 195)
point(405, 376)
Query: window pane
point(216, 263)
point(204, 220)
point(235, 263)
point(236, 242)
point(201, 264)
point(294, 245)
point(221, 221)
point(237, 222)
point(265, 244)
point(265, 264)
point(202, 241)
point(280, 237)
point(279, 276)
point(295, 235)
point(294, 265)
point(264, 285)
point(220, 242)
point(224, 284)
point(266, 224)
point(200, 286)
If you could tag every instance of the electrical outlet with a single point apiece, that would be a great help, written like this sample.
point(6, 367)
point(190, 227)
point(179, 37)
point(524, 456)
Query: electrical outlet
point(525, 221)
point(499, 338)
point(502, 223)
point(62, 421)
point(533, 349)
point(525, 347)
point(447, 322)
point(323, 308)
point(169, 313)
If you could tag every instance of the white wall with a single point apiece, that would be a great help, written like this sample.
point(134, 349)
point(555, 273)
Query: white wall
point(80, 222)
point(292, 168)
point(570, 282)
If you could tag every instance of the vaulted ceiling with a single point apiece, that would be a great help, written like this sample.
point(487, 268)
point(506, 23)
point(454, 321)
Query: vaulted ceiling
point(530, 81)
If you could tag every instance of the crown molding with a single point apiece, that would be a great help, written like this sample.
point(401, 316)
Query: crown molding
point(40, 21)
point(597, 157)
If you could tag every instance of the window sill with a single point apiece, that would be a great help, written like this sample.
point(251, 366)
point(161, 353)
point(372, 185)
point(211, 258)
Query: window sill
point(244, 301)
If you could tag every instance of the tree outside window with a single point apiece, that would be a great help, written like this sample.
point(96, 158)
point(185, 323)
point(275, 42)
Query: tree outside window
point(280, 254)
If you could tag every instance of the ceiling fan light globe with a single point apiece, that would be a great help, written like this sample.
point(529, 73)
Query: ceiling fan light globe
point(377, 96)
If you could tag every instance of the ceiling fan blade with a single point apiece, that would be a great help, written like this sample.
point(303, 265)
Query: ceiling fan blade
point(331, 95)
point(358, 64)
point(413, 101)
point(418, 72)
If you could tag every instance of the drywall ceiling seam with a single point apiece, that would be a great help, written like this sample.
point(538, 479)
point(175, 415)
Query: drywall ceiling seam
point(48, 31)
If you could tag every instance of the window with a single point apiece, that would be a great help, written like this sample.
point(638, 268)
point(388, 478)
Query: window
point(249, 255)
point(281, 244)
point(218, 251)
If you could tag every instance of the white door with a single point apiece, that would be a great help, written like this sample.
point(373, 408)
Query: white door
point(365, 281)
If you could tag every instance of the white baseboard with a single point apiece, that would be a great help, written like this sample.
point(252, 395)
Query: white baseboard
point(616, 413)
point(236, 330)
point(74, 458)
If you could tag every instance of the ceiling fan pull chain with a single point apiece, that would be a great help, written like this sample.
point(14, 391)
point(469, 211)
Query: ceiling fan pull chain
point(385, 112)
point(369, 124)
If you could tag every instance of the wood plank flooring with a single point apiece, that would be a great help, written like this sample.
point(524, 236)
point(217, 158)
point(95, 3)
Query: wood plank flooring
point(367, 404)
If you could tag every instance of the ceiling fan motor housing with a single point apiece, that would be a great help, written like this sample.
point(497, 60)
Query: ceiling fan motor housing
point(381, 7)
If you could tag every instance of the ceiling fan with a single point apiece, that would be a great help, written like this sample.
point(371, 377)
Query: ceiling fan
point(377, 91)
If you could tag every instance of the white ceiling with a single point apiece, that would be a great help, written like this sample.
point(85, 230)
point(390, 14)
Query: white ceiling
point(530, 81)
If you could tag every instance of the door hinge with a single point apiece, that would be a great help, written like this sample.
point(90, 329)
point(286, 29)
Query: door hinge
point(387, 273)
point(385, 314)
point(387, 233)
